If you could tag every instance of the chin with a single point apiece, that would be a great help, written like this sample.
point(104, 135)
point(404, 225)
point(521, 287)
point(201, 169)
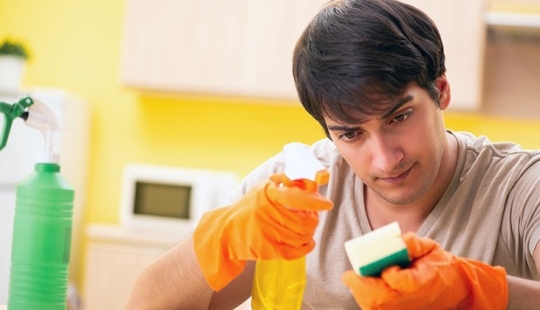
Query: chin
point(403, 197)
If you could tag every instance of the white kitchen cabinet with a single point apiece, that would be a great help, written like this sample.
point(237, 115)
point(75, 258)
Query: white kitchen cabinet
point(115, 256)
point(244, 47)
point(231, 47)
point(463, 30)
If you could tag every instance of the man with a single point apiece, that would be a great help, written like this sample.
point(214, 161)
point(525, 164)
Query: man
point(372, 73)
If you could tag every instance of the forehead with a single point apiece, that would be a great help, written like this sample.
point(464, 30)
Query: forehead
point(363, 112)
point(364, 106)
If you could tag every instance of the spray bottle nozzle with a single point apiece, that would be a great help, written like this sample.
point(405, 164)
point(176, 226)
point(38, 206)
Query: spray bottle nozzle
point(37, 115)
point(25, 115)
point(11, 112)
point(43, 119)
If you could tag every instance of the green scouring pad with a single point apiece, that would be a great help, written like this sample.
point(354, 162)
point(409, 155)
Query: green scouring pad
point(371, 253)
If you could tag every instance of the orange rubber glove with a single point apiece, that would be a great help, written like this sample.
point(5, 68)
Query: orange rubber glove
point(436, 279)
point(271, 221)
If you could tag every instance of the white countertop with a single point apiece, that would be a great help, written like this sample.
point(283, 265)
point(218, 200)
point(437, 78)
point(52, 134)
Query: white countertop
point(134, 235)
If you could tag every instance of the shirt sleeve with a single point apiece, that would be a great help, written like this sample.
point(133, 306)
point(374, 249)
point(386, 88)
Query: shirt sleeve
point(525, 202)
point(260, 174)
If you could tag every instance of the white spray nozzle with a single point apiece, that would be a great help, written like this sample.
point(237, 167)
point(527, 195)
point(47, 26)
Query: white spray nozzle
point(44, 120)
point(301, 162)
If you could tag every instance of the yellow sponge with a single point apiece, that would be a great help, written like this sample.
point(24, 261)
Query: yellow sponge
point(371, 253)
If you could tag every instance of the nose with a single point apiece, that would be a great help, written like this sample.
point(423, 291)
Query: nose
point(386, 154)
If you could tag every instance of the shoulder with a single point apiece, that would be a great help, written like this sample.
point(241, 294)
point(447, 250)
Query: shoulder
point(501, 169)
point(479, 144)
point(485, 169)
point(480, 151)
point(325, 150)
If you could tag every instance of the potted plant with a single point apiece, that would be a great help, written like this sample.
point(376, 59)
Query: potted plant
point(13, 56)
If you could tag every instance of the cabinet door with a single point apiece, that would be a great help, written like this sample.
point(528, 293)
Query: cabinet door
point(111, 270)
point(463, 31)
point(244, 47)
point(238, 47)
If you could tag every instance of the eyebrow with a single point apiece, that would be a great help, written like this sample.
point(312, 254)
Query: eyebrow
point(342, 128)
point(401, 102)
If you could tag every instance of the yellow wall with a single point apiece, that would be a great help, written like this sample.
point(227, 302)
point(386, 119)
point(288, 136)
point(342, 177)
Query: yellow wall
point(76, 46)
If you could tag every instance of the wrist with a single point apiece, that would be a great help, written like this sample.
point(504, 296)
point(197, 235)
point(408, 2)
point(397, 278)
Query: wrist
point(488, 285)
point(213, 255)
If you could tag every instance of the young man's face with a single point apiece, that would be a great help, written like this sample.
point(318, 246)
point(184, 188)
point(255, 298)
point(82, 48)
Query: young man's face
point(398, 153)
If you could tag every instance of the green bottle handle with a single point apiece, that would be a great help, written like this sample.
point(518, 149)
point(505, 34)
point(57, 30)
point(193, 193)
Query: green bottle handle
point(11, 112)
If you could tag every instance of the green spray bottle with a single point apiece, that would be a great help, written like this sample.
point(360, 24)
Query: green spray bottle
point(43, 218)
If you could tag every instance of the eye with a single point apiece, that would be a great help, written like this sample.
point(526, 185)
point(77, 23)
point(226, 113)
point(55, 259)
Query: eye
point(348, 136)
point(401, 117)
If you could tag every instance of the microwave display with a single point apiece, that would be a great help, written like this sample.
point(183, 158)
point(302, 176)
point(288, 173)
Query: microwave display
point(165, 200)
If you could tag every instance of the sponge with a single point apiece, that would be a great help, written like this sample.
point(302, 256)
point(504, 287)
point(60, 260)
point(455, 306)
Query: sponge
point(371, 253)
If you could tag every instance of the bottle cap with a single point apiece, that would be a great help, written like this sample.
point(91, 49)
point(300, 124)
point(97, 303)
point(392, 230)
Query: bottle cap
point(47, 157)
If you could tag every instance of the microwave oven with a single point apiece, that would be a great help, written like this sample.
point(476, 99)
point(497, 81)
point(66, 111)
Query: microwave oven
point(171, 198)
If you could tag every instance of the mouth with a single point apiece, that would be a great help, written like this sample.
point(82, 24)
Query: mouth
point(398, 178)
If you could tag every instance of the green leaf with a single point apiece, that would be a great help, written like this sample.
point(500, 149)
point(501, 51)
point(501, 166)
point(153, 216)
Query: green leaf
point(14, 48)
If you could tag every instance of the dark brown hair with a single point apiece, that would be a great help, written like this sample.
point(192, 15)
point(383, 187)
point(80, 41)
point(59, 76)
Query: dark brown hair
point(357, 56)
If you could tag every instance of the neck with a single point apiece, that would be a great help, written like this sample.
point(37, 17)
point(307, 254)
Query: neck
point(411, 216)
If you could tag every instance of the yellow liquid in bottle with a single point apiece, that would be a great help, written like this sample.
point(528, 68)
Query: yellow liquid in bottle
point(279, 284)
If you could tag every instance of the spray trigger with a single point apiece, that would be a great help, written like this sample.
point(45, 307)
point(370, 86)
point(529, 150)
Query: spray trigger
point(11, 112)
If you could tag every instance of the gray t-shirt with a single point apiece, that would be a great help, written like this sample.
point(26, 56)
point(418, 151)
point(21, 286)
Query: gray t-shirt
point(489, 212)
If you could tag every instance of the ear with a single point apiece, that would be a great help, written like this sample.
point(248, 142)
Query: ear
point(444, 91)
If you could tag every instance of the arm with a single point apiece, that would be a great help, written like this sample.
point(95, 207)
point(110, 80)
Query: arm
point(172, 281)
point(525, 294)
point(219, 255)
point(236, 292)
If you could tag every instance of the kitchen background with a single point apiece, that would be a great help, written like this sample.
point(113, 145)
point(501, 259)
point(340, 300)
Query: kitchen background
point(83, 47)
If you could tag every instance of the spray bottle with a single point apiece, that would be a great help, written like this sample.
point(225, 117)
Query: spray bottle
point(280, 284)
point(43, 218)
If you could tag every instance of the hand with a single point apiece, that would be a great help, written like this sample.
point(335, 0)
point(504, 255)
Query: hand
point(436, 279)
point(270, 222)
